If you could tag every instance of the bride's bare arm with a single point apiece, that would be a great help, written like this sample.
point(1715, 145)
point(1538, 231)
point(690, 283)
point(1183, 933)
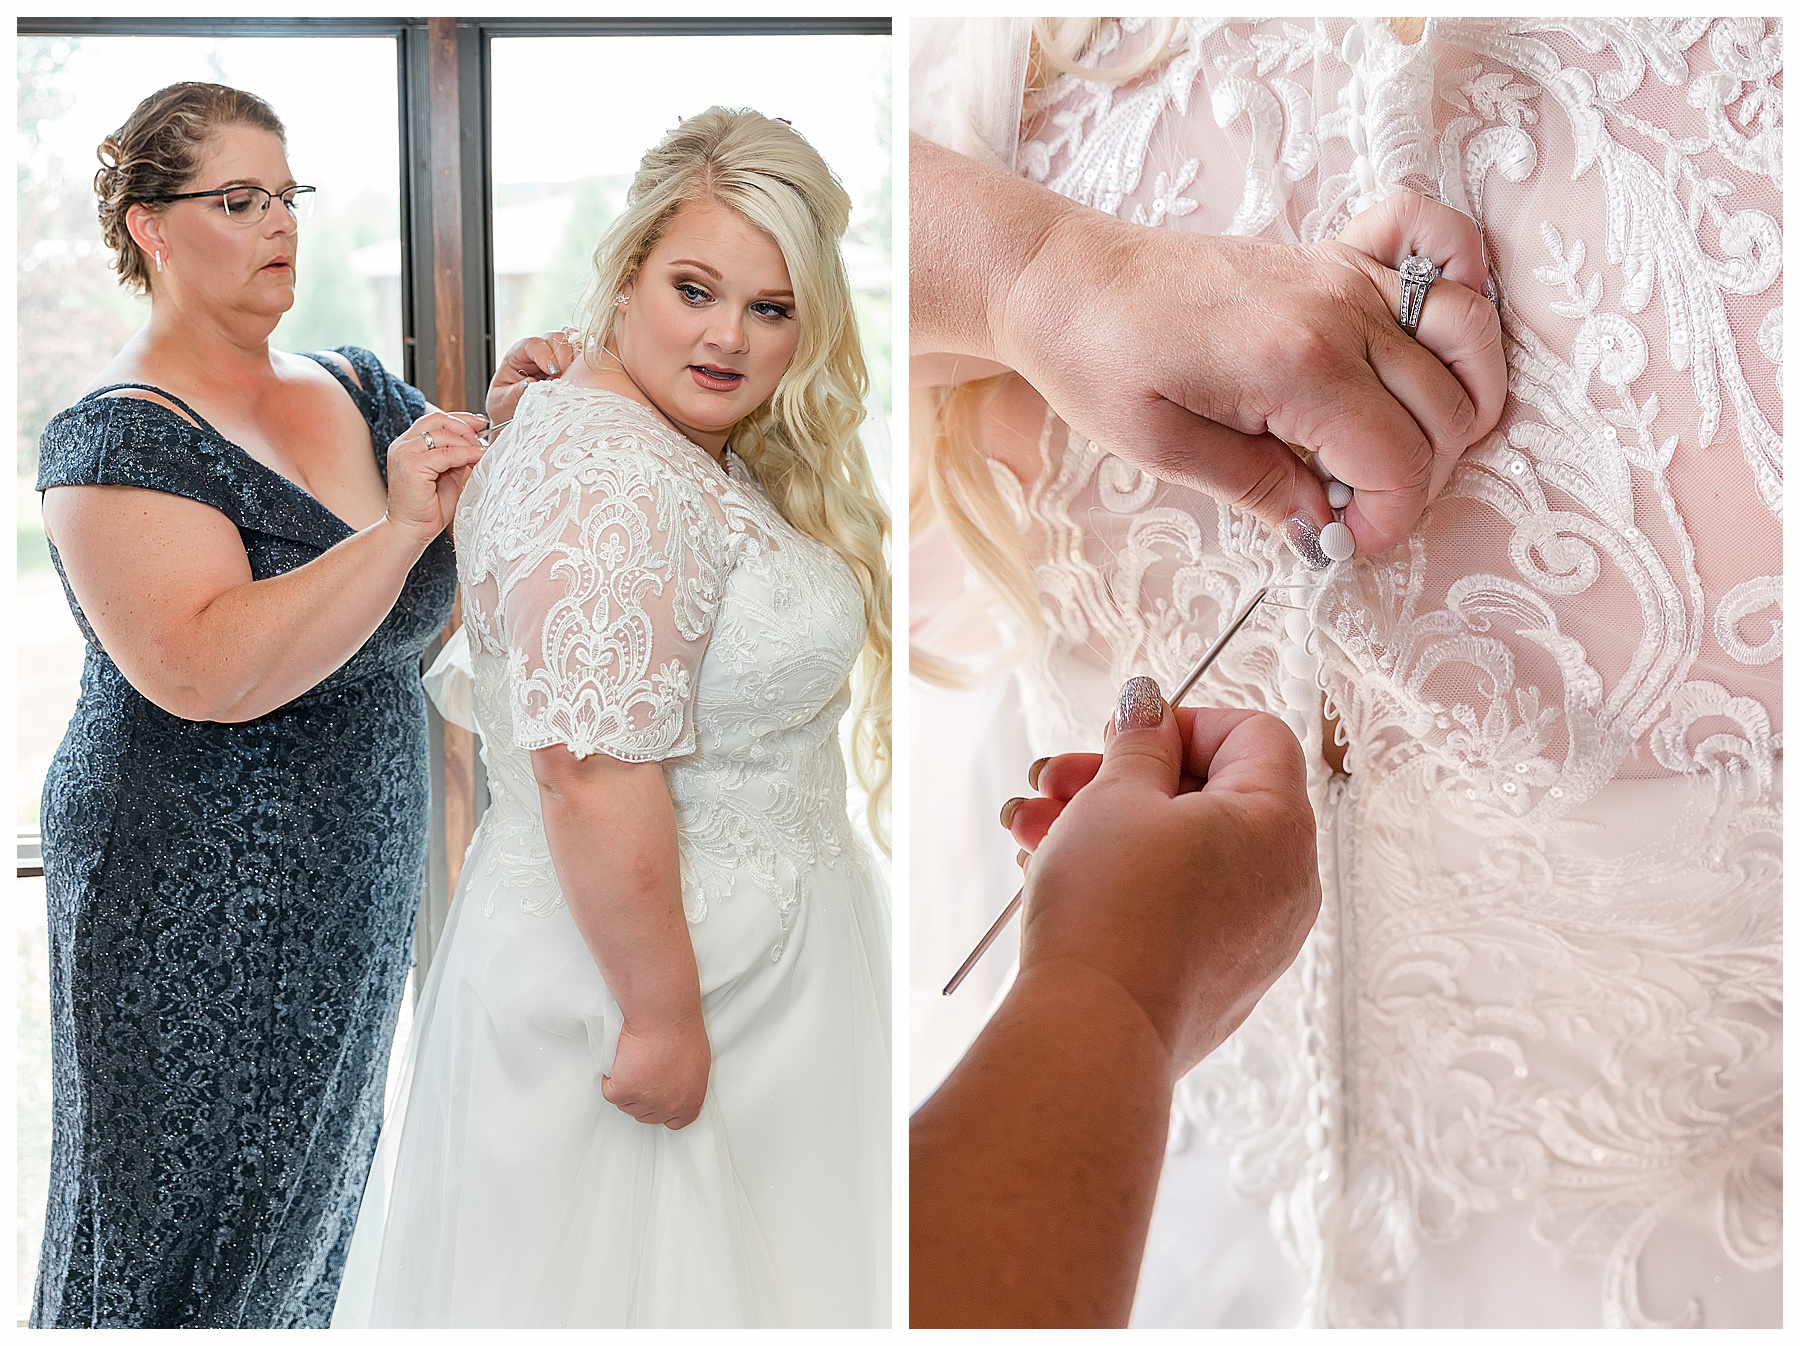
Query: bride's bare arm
point(1194, 356)
point(611, 829)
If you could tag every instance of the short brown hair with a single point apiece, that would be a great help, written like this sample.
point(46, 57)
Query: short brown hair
point(154, 155)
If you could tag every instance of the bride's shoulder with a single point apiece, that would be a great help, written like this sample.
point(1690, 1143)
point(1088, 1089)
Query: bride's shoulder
point(575, 457)
point(570, 428)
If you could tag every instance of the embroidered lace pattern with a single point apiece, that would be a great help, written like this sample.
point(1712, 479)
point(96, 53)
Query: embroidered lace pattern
point(624, 595)
point(231, 915)
point(1522, 989)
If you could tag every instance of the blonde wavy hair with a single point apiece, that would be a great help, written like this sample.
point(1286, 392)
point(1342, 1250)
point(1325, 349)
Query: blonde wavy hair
point(953, 483)
point(802, 443)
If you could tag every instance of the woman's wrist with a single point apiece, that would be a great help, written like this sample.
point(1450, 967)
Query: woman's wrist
point(1034, 1164)
point(400, 541)
point(975, 228)
point(676, 1012)
point(1028, 294)
point(1109, 1013)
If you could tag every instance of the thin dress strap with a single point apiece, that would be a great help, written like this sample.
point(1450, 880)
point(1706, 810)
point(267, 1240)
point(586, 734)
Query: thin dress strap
point(193, 415)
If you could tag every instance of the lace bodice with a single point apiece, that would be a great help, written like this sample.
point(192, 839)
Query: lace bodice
point(1548, 970)
point(623, 594)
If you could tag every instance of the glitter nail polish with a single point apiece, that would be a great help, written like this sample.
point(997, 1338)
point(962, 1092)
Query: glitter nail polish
point(1300, 534)
point(1140, 705)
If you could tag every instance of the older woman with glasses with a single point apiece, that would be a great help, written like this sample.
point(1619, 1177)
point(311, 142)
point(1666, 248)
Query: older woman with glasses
point(235, 826)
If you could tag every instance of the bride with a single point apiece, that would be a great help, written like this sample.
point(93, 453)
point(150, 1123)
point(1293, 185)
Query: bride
point(651, 1072)
point(1528, 1068)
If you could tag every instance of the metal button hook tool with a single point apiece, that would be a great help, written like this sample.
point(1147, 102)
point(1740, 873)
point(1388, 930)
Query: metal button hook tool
point(1186, 685)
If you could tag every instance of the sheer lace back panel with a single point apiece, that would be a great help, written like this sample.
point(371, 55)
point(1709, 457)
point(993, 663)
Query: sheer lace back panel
point(1598, 592)
point(1534, 984)
point(625, 595)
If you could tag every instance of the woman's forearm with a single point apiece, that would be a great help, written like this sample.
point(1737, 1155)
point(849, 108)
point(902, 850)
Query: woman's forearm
point(257, 646)
point(611, 830)
point(974, 228)
point(1034, 1165)
point(167, 586)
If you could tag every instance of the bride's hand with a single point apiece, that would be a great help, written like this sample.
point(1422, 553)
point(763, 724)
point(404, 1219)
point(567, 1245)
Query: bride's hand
point(526, 362)
point(1180, 866)
point(660, 1071)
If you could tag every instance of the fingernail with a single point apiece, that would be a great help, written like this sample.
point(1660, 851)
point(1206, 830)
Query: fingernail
point(1007, 810)
point(1303, 537)
point(1140, 705)
point(1031, 772)
point(551, 366)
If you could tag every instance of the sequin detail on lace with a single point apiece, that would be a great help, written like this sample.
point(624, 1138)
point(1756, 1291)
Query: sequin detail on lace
point(1561, 624)
point(231, 923)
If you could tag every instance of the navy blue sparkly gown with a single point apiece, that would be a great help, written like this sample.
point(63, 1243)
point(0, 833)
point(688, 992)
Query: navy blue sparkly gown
point(231, 919)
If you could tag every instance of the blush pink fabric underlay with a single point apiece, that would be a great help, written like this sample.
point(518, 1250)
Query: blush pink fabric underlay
point(1535, 1039)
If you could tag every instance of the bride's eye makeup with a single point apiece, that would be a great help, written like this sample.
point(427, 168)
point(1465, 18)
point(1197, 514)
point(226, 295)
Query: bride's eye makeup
point(696, 294)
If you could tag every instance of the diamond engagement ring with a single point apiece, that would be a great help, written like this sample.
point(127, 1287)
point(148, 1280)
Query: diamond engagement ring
point(1416, 275)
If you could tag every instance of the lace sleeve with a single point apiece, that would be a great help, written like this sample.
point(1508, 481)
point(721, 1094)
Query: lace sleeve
point(606, 600)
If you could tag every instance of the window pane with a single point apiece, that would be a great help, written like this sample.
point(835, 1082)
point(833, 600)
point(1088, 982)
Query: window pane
point(555, 193)
point(339, 100)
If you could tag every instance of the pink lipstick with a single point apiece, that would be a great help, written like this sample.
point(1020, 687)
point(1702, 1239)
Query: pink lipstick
point(715, 379)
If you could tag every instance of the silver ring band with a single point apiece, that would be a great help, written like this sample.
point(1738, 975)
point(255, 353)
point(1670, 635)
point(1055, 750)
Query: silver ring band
point(426, 436)
point(1416, 274)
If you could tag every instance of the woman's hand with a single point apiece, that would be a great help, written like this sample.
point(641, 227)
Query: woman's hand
point(526, 362)
point(427, 467)
point(1180, 866)
point(1194, 357)
point(1154, 918)
point(659, 1075)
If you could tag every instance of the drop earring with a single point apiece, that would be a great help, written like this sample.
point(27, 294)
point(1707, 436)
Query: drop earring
point(159, 262)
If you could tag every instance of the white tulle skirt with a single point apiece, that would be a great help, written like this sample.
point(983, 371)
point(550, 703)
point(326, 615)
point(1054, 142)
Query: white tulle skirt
point(520, 1198)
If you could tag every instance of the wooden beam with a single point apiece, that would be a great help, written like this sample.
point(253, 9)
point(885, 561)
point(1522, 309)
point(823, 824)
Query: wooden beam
point(449, 364)
point(447, 212)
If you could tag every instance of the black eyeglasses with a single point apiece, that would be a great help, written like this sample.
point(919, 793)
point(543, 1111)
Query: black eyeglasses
point(248, 205)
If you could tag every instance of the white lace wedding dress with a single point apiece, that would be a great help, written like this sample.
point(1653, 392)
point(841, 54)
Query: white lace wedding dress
point(1528, 1068)
point(624, 594)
